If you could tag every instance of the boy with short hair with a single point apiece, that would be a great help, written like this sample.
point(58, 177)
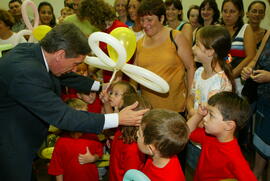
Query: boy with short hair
point(221, 157)
point(162, 135)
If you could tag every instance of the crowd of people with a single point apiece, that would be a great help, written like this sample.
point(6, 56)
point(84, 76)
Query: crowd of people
point(205, 122)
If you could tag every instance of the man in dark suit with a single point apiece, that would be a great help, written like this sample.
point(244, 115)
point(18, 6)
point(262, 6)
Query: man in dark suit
point(30, 79)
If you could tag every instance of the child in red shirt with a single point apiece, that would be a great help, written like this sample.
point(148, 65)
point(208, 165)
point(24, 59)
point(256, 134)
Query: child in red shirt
point(221, 157)
point(162, 135)
point(125, 153)
point(74, 154)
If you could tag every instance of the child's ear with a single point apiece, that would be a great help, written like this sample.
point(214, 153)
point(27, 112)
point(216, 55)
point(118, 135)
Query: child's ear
point(230, 125)
point(152, 149)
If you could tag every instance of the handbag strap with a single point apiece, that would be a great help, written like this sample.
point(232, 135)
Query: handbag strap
point(172, 39)
point(258, 54)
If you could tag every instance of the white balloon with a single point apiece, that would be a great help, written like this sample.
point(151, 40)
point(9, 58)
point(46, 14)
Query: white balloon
point(94, 61)
point(139, 74)
point(25, 15)
point(146, 78)
point(22, 33)
point(27, 22)
point(94, 40)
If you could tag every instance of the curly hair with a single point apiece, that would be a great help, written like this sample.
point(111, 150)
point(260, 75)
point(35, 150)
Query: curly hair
point(7, 18)
point(129, 133)
point(97, 12)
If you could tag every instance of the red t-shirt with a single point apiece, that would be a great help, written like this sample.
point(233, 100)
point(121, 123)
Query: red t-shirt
point(171, 172)
point(65, 159)
point(124, 157)
point(220, 160)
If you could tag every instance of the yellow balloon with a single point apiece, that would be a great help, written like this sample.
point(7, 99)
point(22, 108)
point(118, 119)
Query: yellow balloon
point(127, 38)
point(40, 31)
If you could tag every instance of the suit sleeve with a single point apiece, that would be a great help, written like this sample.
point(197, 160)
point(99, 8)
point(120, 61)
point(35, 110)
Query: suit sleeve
point(80, 83)
point(34, 90)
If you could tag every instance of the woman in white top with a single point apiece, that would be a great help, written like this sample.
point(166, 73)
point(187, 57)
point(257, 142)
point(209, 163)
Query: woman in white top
point(7, 36)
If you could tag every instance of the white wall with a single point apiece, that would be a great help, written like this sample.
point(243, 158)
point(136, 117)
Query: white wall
point(58, 4)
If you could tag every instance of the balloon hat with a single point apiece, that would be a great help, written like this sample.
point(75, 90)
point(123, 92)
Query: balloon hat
point(120, 55)
point(38, 31)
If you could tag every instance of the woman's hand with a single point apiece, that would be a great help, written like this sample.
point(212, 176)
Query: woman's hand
point(246, 73)
point(261, 76)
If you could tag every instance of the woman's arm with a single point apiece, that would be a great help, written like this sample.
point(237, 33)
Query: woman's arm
point(247, 71)
point(185, 53)
point(250, 50)
point(188, 32)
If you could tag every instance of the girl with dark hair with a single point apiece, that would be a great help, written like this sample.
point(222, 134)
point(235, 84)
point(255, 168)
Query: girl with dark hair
point(209, 13)
point(46, 14)
point(255, 14)
point(174, 18)
point(243, 44)
point(193, 16)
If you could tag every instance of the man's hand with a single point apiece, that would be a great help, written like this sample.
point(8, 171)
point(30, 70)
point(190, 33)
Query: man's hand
point(128, 117)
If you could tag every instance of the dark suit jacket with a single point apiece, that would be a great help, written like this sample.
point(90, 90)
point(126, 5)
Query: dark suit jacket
point(29, 102)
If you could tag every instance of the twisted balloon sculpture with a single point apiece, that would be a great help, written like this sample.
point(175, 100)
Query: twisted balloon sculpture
point(103, 61)
point(36, 32)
